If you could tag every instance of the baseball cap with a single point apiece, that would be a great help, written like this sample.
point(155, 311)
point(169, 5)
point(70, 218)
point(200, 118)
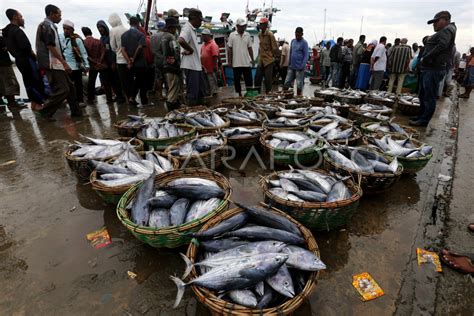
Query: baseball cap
point(206, 32)
point(195, 13)
point(439, 15)
point(263, 20)
point(68, 24)
point(160, 24)
point(170, 22)
point(173, 13)
point(241, 22)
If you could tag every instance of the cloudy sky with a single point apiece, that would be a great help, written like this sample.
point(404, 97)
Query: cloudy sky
point(397, 18)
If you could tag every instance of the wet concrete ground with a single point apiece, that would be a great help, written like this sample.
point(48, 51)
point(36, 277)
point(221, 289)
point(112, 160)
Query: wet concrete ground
point(49, 268)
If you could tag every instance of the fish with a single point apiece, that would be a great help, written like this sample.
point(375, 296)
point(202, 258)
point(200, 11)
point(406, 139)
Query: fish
point(281, 282)
point(195, 192)
point(159, 218)
point(201, 208)
point(221, 244)
point(267, 297)
point(338, 192)
point(129, 180)
point(264, 233)
point(178, 211)
point(193, 181)
point(342, 160)
point(244, 297)
point(231, 223)
point(327, 128)
point(162, 199)
point(310, 196)
point(139, 212)
point(302, 259)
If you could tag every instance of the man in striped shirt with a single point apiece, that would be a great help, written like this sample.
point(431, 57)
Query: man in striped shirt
point(400, 57)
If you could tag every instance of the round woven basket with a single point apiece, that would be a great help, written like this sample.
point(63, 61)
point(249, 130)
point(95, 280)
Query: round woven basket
point(283, 157)
point(348, 99)
point(218, 306)
point(243, 144)
point(325, 97)
point(280, 114)
point(316, 215)
point(282, 94)
point(127, 131)
point(411, 131)
point(173, 236)
point(408, 109)
point(299, 103)
point(211, 159)
point(162, 143)
point(371, 183)
point(212, 129)
point(270, 113)
point(315, 80)
point(82, 167)
point(352, 141)
point(314, 101)
point(293, 128)
point(185, 109)
point(223, 108)
point(359, 118)
point(262, 117)
point(377, 101)
point(238, 101)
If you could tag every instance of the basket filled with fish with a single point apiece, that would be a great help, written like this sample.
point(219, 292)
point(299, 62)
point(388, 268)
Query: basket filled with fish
point(223, 108)
point(341, 108)
point(412, 154)
point(159, 135)
point(409, 104)
point(281, 94)
point(284, 123)
point(381, 98)
point(315, 198)
point(350, 96)
point(370, 113)
point(327, 94)
point(270, 109)
point(336, 132)
point(206, 121)
point(296, 103)
point(111, 179)
point(178, 115)
point(246, 117)
point(130, 126)
point(314, 101)
point(242, 137)
point(205, 151)
point(275, 259)
point(377, 172)
point(237, 101)
point(79, 155)
point(296, 113)
point(291, 147)
point(388, 127)
point(161, 211)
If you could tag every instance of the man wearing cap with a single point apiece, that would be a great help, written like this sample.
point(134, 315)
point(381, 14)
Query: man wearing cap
point(240, 55)
point(76, 57)
point(299, 54)
point(209, 60)
point(284, 59)
point(171, 63)
point(267, 53)
point(191, 59)
point(433, 63)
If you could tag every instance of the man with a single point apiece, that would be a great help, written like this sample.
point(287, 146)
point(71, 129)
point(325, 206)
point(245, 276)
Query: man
point(356, 58)
point(399, 65)
point(50, 58)
point(19, 46)
point(133, 43)
point(76, 57)
point(346, 63)
point(446, 83)
point(209, 60)
point(299, 54)
point(284, 59)
point(336, 61)
point(96, 53)
point(240, 55)
point(326, 62)
point(378, 64)
point(116, 46)
point(267, 52)
point(436, 52)
point(155, 42)
point(468, 82)
point(171, 63)
point(9, 86)
point(191, 60)
point(391, 48)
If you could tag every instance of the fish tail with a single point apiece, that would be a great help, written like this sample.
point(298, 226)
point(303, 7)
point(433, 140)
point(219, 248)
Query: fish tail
point(189, 265)
point(181, 286)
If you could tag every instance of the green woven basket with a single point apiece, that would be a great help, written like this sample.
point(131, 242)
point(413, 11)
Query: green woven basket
point(317, 216)
point(162, 144)
point(359, 118)
point(325, 97)
point(174, 236)
point(413, 132)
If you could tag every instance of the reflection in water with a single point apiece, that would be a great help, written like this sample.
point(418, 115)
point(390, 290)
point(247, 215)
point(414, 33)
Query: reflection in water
point(334, 247)
point(88, 198)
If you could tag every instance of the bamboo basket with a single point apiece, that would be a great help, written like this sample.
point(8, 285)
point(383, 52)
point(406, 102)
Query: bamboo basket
point(173, 236)
point(377, 101)
point(211, 159)
point(359, 118)
point(314, 101)
point(269, 113)
point(261, 119)
point(162, 143)
point(238, 101)
point(223, 108)
point(242, 144)
point(185, 109)
point(127, 131)
point(325, 97)
point(300, 103)
point(408, 109)
point(371, 183)
point(218, 306)
point(316, 215)
point(348, 99)
point(409, 130)
point(352, 141)
point(282, 94)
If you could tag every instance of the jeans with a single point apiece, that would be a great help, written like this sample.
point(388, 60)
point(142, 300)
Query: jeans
point(345, 73)
point(194, 86)
point(376, 80)
point(326, 73)
point(291, 76)
point(267, 72)
point(335, 73)
point(429, 85)
point(238, 72)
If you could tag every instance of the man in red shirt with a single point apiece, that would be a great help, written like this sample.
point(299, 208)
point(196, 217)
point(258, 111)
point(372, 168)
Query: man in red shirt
point(209, 60)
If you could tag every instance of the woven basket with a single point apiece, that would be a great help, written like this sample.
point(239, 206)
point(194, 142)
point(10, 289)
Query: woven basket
point(314, 101)
point(371, 183)
point(82, 167)
point(314, 215)
point(359, 118)
point(223, 108)
point(262, 118)
point(315, 80)
point(409, 130)
point(408, 109)
point(238, 101)
point(294, 128)
point(162, 143)
point(342, 110)
point(269, 113)
point(348, 99)
point(377, 101)
point(325, 97)
point(218, 306)
point(300, 103)
point(174, 236)
point(281, 94)
point(185, 109)
point(352, 141)
point(211, 159)
point(127, 131)
point(284, 157)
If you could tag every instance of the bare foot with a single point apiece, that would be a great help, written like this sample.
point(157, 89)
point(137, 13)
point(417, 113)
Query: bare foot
point(457, 262)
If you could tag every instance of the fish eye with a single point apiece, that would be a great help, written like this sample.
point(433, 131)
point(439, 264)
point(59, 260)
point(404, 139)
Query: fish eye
point(286, 283)
point(277, 259)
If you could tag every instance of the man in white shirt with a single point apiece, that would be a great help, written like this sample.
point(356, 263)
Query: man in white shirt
point(240, 55)
point(116, 45)
point(378, 64)
point(191, 58)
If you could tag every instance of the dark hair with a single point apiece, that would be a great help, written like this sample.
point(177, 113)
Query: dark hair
point(11, 13)
point(340, 40)
point(134, 21)
point(383, 39)
point(86, 31)
point(397, 40)
point(362, 37)
point(299, 29)
point(50, 9)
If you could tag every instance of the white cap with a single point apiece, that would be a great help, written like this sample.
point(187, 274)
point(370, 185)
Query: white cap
point(241, 22)
point(68, 23)
point(206, 32)
point(281, 39)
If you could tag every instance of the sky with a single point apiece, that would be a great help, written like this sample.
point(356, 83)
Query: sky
point(397, 18)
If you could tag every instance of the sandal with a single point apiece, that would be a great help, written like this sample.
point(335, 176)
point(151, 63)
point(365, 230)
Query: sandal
point(462, 263)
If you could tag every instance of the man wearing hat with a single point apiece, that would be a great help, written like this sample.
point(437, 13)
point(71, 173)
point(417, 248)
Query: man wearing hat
point(76, 57)
point(171, 64)
point(240, 55)
point(191, 59)
point(267, 52)
point(284, 59)
point(433, 63)
point(209, 61)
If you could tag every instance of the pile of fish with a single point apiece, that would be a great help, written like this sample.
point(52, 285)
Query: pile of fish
point(359, 159)
point(129, 168)
point(162, 130)
point(241, 132)
point(308, 186)
point(387, 127)
point(179, 201)
point(291, 140)
point(409, 99)
point(198, 119)
point(331, 131)
point(99, 148)
point(266, 107)
point(374, 111)
point(198, 145)
point(337, 104)
point(287, 122)
point(134, 121)
point(306, 111)
point(400, 148)
point(351, 93)
point(244, 117)
point(382, 95)
point(255, 258)
point(328, 91)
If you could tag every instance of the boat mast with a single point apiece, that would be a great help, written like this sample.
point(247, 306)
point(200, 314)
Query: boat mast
point(147, 14)
point(324, 29)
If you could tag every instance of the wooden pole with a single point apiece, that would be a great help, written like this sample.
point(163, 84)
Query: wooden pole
point(147, 14)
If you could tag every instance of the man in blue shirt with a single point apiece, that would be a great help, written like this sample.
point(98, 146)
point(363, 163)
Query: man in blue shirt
point(299, 54)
